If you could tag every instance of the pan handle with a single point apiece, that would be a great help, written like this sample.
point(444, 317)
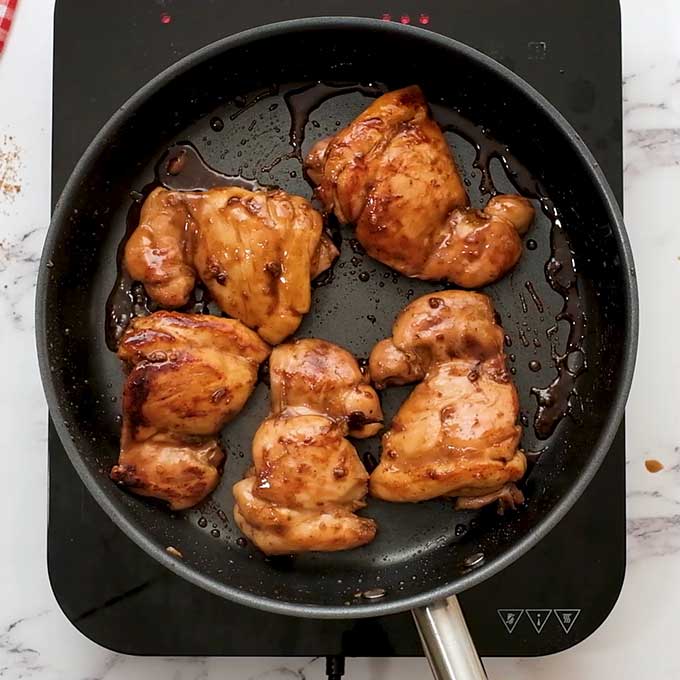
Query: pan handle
point(447, 642)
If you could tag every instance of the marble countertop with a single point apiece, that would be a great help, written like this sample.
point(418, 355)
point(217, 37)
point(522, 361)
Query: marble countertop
point(638, 640)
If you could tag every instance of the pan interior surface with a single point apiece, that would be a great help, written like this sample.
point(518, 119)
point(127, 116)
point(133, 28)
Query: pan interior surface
point(246, 85)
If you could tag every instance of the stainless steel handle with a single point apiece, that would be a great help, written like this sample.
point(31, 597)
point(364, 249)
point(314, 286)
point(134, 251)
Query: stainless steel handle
point(447, 642)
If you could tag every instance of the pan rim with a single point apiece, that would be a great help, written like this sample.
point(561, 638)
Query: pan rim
point(397, 604)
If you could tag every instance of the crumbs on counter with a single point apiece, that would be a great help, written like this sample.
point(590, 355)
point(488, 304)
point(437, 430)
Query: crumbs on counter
point(653, 465)
point(10, 162)
point(174, 552)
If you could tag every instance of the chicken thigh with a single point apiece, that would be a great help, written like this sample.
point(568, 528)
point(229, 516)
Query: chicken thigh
point(256, 252)
point(307, 481)
point(188, 375)
point(457, 433)
point(391, 173)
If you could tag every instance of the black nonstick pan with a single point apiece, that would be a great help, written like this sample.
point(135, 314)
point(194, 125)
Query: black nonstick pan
point(250, 106)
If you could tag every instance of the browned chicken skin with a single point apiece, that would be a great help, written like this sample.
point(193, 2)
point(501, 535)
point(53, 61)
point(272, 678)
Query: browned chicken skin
point(256, 252)
point(189, 374)
point(392, 174)
point(307, 480)
point(457, 433)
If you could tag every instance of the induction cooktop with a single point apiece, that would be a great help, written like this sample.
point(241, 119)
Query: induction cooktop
point(550, 599)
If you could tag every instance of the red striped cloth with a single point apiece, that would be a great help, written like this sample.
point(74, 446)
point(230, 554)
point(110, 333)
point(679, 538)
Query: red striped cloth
point(7, 9)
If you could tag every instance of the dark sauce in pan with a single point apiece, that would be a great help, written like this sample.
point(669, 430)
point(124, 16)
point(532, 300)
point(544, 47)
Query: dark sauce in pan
point(370, 461)
point(302, 101)
point(363, 365)
point(182, 168)
point(263, 374)
point(325, 278)
point(244, 104)
point(557, 399)
point(533, 456)
point(486, 148)
point(333, 232)
point(127, 299)
point(534, 296)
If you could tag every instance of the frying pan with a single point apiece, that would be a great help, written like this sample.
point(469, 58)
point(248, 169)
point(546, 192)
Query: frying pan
point(250, 105)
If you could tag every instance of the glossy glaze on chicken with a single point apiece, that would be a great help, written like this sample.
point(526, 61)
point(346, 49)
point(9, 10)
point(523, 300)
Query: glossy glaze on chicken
point(391, 173)
point(256, 252)
point(188, 375)
point(307, 480)
point(457, 433)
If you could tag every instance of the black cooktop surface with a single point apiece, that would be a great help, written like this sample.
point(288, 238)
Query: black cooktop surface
point(549, 600)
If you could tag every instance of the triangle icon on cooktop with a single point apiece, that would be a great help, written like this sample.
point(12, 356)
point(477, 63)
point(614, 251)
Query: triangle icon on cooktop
point(567, 618)
point(538, 617)
point(510, 617)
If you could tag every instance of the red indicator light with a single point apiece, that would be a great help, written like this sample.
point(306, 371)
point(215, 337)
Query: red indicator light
point(405, 19)
point(166, 18)
point(386, 16)
point(424, 19)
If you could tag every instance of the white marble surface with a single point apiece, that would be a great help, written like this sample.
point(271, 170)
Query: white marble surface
point(640, 638)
